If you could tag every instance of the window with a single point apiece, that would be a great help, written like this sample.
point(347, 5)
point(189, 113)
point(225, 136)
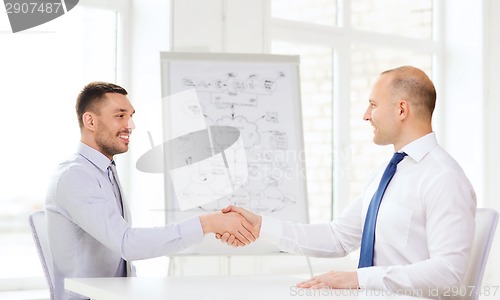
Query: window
point(395, 17)
point(316, 66)
point(322, 12)
point(343, 46)
point(43, 69)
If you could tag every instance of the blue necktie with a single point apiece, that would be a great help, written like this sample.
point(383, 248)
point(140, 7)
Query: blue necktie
point(368, 239)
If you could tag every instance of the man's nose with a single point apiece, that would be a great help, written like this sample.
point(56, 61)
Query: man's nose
point(367, 115)
point(131, 124)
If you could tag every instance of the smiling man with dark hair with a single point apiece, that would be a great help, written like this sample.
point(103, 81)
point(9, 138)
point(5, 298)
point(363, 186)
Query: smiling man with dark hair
point(87, 216)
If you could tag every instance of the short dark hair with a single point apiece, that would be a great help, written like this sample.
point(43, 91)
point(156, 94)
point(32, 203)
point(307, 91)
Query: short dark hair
point(92, 94)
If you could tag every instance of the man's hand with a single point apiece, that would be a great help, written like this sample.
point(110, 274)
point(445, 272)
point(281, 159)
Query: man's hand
point(233, 223)
point(253, 219)
point(335, 280)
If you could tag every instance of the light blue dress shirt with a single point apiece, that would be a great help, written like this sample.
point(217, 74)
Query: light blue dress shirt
point(87, 233)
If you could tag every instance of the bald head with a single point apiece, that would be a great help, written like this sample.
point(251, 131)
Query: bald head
point(413, 85)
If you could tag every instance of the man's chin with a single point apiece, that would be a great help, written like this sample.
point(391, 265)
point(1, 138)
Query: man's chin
point(122, 149)
point(378, 141)
point(125, 149)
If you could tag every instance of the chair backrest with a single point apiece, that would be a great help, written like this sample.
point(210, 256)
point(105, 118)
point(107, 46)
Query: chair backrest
point(38, 227)
point(486, 224)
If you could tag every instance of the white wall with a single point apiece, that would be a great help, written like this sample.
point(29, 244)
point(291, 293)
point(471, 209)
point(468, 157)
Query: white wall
point(492, 104)
point(472, 95)
point(491, 123)
point(462, 96)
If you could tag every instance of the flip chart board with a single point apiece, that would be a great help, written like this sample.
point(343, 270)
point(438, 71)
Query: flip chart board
point(258, 94)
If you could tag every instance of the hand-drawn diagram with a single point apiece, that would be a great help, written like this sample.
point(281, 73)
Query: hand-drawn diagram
point(224, 89)
point(204, 163)
point(262, 102)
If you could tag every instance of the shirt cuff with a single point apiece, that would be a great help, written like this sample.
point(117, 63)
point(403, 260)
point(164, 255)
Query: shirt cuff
point(271, 229)
point(371, 278)
point(191, 231)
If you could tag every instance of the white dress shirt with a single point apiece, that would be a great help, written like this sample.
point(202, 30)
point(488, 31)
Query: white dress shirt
point(424, 231)
point(87, 234)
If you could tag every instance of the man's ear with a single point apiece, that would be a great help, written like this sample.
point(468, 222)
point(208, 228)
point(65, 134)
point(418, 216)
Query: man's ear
point(404, 109)
point(88, 121)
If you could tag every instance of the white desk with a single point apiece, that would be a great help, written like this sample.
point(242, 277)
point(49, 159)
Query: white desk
point(275, 287)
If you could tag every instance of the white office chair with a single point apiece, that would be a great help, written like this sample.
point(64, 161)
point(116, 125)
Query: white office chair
point(486, 224)
point(38, 226)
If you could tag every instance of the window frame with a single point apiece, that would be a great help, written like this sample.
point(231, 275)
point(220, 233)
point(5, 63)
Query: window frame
point(121, 7)
point(340, 39)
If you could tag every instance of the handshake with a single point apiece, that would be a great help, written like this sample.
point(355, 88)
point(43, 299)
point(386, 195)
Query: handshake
point(238, 227)
point(234, 225)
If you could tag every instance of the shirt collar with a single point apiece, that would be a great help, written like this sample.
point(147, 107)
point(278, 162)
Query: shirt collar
point(94, 156)
point(419, 148)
